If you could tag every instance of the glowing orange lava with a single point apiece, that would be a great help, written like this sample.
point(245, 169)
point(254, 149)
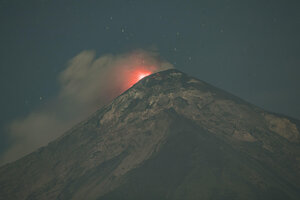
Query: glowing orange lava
point(138, 74)
point(143, 74)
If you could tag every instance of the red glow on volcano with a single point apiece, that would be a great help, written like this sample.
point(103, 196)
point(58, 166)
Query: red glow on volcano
point(143, 74)
point(137, 74)
point(125, 77)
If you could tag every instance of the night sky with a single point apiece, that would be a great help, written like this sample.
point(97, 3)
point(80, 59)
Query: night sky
point(248, 48)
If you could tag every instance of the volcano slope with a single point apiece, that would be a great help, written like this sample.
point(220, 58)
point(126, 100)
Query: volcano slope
point(170, 136)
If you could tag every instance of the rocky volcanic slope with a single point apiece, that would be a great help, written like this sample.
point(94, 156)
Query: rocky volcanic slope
point(170, 136)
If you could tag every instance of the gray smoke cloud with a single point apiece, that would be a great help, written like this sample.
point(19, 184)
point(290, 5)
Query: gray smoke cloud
point(87, 84)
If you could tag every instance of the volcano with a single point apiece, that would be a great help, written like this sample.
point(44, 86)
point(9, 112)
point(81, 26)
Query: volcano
point(170, 136)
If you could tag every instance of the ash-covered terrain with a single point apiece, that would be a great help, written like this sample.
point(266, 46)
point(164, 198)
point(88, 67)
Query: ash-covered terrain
point(170, 136)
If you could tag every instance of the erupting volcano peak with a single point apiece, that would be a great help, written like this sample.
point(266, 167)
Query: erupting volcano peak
point(171, 136)
point(139, 74)
point(143, 74)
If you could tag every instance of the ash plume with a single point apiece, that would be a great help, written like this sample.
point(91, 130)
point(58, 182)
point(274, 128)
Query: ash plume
point(86, 85)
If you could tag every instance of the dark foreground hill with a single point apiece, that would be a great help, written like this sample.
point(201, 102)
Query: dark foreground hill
point(170, 136)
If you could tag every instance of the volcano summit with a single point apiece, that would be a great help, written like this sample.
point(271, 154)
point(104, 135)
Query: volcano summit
point(170, 136)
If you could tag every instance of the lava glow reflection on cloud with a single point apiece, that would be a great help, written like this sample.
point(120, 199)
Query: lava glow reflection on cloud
point(139, 73)
point(143, 74)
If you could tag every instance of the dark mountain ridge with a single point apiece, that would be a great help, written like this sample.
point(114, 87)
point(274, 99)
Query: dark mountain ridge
point(170, 136)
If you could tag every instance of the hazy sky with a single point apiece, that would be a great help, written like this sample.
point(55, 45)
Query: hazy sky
point(249, 48)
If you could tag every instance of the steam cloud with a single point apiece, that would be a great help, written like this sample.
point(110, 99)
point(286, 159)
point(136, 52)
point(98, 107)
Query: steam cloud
point(87, 84)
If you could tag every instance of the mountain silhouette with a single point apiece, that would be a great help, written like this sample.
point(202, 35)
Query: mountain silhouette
point(170, 136)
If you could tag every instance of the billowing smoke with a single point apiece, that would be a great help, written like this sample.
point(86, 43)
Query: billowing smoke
point(87, 84)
